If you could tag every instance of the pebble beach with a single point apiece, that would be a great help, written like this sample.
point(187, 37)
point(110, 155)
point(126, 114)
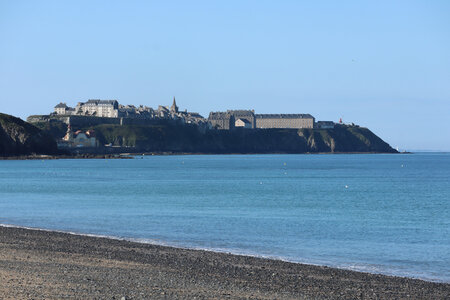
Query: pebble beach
point(37, 264)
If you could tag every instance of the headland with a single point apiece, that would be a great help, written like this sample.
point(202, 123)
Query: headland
point(105, 127)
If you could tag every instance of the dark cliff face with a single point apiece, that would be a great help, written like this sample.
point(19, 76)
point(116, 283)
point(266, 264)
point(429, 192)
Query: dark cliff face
point(170, 137)
point(21, 138)
point(189, 139)
point(344, 138)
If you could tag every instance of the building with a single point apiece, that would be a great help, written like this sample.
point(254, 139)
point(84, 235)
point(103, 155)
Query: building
point(61, 108)
point(174, 107)
point(112, 109)
point(324, 124)
point(141, 112)
point(296, 121)
point(99, 108)
point(221, 120)
point(78, 139)
point(218, 120)
point(242, 123)
point(248, 115)
point(227, 120)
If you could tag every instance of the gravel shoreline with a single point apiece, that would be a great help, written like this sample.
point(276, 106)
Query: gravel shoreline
point(37, 264)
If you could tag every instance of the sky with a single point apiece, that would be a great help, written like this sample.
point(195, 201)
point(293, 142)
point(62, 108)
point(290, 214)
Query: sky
point(382, 64)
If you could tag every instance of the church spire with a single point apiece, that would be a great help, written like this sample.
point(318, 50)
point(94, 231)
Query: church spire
point(174, 107)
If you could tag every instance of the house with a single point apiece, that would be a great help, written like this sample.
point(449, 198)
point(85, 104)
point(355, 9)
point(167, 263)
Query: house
point(220, 120)
point(248, 115)
point(78, 139)
point(61, 108)
point(99, 108)
point(227, 120)
point(242, 123)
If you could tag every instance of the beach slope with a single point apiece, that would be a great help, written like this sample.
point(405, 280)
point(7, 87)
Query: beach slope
point(50, 265)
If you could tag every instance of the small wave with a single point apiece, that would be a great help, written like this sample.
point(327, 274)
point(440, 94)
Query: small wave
point(365, 268)
point(62, 231)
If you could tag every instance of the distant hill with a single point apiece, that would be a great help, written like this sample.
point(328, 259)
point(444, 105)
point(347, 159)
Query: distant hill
point(186, 138)
point(18, 137)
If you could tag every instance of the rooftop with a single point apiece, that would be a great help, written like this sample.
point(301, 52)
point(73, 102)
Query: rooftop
point(61, 105)
point(244, 120)
point(218, 115)
point(284, 116)
point(98, 101)
point(241, 112)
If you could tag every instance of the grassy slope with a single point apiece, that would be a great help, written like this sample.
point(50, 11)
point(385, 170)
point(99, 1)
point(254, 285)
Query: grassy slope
point(188, 139)
point(18, 137)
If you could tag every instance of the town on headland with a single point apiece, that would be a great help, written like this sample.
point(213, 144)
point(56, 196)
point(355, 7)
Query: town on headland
point(107, 127)
point(96, 111)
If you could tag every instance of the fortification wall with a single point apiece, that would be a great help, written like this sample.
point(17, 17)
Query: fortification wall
point(136, 121)
point(86, 121)
point(47, 118)
point(82, 121)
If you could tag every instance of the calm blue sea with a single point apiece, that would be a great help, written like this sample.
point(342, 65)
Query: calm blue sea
point(377, 213)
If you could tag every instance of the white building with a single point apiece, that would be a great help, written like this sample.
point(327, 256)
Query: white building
point(78, 139)
point(99, 108)
point(242, 123)
point(61, 109)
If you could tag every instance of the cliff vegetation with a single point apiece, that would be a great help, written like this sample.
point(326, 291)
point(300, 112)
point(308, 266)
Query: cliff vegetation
point(186, 138)
point(173, 137)
point(18, 137)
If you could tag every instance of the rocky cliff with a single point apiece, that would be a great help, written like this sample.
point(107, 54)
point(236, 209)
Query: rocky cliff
point(185, 138)
point(171, 137)
point(21, 138)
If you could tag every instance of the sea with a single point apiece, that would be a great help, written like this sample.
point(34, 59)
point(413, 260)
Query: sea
point(377, 213)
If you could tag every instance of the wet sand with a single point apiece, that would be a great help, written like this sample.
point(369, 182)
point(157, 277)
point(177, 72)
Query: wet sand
point(50, 265)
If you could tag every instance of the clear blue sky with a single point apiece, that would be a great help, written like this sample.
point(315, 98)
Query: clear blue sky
point(380, 64)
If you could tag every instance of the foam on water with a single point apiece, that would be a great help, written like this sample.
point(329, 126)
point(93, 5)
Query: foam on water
point(352, 267)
